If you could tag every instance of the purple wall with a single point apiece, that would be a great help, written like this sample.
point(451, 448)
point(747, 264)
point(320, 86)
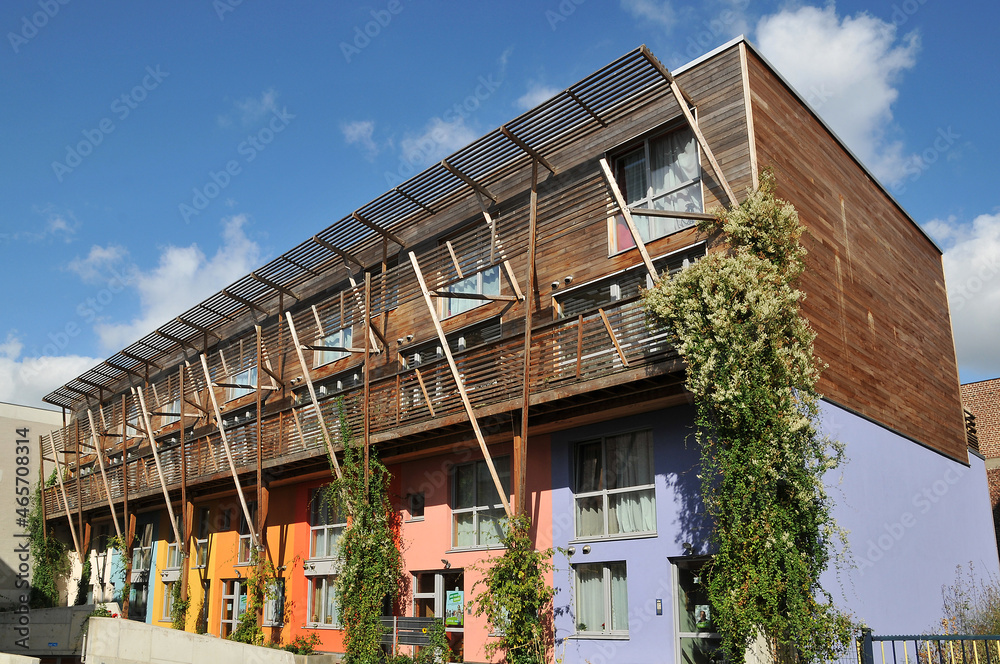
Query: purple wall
point(911, 513)
point(913, 516)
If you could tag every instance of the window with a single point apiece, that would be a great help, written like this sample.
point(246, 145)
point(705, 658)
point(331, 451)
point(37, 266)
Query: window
point(339, 339)
point(601, 599)
point(416, 501)
point(326, 527)
point(234, 605)
point(246, 381)
point(477, 513)
point(624, 285)
point(614, 486)
point(246, 539)
point(323, 606)
point(168, 599)
point(172, 407)
point(699, 641)
point(662, 173)
point(274, 606)
point(442, 595)
point(486, 282)
point(174, 548)
point(142, 555)
point(201, 541)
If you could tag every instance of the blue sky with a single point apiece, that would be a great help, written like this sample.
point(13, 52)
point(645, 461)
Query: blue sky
point(155, 152)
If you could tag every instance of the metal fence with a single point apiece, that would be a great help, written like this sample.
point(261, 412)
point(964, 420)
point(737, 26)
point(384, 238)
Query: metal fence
point(929, 649)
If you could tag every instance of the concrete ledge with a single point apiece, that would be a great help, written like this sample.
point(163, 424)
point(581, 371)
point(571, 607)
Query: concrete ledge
point(7, 658)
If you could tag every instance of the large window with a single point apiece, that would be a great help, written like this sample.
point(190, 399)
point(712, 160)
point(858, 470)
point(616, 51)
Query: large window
point(339, 339)
point(201, 541)
point(614, 486)
point(601, 599)
point(662, 173)
point(168, 599)
point(326, 527)
point(486, 282)
point(699, 640)
point(274, 605)
point(477, 513)
point(246, 382)
point(323, 606)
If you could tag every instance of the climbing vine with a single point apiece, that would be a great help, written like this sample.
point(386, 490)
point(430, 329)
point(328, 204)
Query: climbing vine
point(370, 562)
point(123, 545)
point(514, 597)
point(50, 560)
point(735, 319)
point(260, 588)
point(178, 607)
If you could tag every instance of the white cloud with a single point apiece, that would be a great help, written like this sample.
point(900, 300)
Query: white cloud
point(360, 133)
point(55, 224)
point(438, 140)
point(660, 12)
point(250, 111)
point(847, 70)
point(100, 262)
point(25, 380)
point(536, 94)
point(183, 277)
point(972, 272)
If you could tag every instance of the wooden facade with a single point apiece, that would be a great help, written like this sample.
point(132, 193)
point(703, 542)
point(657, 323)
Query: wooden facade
point(874, 284)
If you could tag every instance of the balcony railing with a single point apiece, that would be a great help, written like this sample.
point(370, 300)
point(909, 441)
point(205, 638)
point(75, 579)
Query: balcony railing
point(565, 355)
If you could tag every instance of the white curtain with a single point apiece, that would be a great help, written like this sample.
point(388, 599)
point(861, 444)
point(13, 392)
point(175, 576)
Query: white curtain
point(465, 530)
point(589, 516)
point(590, 598)
point(619, 597)
point(630, 464)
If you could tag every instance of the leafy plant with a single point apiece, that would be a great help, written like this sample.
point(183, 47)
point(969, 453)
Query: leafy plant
point(123, 545)
point(49, 557)
point(178, 607)
point(514, 596)
point(371, 565)
point(84, 584)
point(734, 317)
point(972, 604)
point(260, 585)
point(303, 645)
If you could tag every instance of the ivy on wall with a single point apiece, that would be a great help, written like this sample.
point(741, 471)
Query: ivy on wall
point(734, 317)
point(50, 560)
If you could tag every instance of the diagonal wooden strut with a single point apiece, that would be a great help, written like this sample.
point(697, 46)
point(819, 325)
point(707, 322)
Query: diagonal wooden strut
point(229, 454)
point(460, 384)
point(62, 491)
point(156, 460)
point(609, 178)
point(312, 394)
point(104, 476)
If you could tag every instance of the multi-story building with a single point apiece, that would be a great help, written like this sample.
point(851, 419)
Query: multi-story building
point(481, 324)
point(982, 404)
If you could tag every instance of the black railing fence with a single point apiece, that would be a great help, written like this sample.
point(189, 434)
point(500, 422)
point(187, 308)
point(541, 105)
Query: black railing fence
point(929, 649)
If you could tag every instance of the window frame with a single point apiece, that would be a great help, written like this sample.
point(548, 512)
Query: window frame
point(274, 606)
point(605, 493)
point(476, 508)
point(607, 601)
point(329, 582)
point(643, 142)
point(246, 538)
point(168, 599)
point(337, 528)
point(415, 499)
point(247, 376)
point(321, 358)
point(448, 303)
point(677, 565)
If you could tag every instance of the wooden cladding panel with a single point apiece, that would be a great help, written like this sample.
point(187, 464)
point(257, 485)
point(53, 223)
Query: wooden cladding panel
point(875, 284)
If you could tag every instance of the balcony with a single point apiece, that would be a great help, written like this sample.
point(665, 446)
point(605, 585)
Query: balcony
point(569, 357)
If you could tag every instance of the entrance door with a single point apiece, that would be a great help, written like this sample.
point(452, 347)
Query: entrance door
point(234, 605)
point(442, 595)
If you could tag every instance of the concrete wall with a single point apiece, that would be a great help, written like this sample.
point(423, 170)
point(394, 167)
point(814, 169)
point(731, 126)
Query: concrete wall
point(6, 658)
point(114, 641)
point(43, 632)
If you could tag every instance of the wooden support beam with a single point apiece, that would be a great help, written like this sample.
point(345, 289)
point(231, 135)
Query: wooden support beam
point(176, 340)
point(137, 391)
point(200, 328)
point(378, 229)
point(312, 395)
point(366, 392)
point(259, 526)
point(132, 372)
point(509, 271)
point(460, 384)
point(62, 491)
point(520, 465)
point(319, 322)
point(616, 193)
point(454, 259)
point(423, 389)
point(528, 149)
point(275, 285)
point(664, 72)
point(413, 200)
point(228, 451)
point(474, 296)
point(340, 349)
point(92, 383)
point(469, 181)
point(202, 305)
point(614, 339)
point(584, 106)
point(148, 363)
point(347, 256)
point(244, 301)
point(104, 476)
point(672, 214)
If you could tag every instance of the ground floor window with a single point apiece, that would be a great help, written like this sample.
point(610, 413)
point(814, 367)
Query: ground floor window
point(323, 605)
point(137, 601)
point(698, 638)
point(274, 605)
point(168, 599)
point(442, 595)
point(234, 605)
point(601, 599)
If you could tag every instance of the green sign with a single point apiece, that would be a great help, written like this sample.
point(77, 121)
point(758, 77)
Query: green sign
point(454, 609)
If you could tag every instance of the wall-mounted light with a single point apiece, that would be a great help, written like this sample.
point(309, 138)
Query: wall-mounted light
point(570, 551)
point(568, 279)
point(446, 563)
point(586, 548)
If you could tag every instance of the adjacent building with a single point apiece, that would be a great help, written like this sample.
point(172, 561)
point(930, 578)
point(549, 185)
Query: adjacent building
point(480, 327)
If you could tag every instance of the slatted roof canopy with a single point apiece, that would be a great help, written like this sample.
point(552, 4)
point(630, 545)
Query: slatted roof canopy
point(582, 108)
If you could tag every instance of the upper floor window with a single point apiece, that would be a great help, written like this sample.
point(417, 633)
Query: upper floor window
point(171, 412)
point(326, 526)
point(486, 282)
point(201, 541)
point(477, 513)
point(661, 173)
point(340, 339)
point(246, 539)
point(614, 486)
point(245, 382)
point(174, 559)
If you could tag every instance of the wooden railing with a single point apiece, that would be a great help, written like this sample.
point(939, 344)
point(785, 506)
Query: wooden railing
point(565, 355)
